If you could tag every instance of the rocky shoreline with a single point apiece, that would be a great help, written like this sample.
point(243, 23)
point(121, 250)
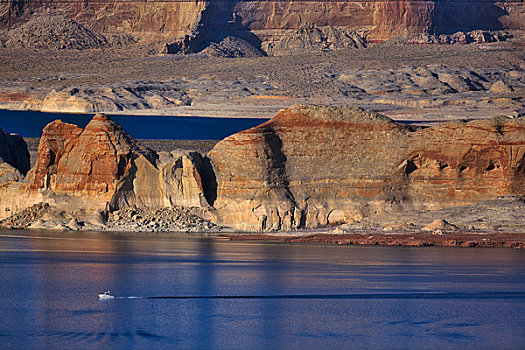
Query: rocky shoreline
point(308, 167)
point(404, 239)
point(179, 220)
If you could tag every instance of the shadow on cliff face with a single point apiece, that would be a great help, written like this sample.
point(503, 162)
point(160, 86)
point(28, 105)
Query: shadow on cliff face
point(218, 22)
point(518, 180)
point(277, 177)
point(209, 181)
point(277, 172)
point(451, 16)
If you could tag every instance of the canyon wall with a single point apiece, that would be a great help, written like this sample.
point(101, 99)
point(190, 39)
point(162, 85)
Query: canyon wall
point(314, 166)
point(165, 19)
point(258, 21)
point(101, 168)
point(307, 167)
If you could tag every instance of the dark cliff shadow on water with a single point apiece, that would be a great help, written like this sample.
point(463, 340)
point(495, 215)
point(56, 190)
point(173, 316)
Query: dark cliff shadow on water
point(451, 16)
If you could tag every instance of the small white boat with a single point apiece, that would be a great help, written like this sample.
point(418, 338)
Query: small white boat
point(106, 295)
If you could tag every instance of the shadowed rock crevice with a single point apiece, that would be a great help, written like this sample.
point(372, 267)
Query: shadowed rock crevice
point(518, 181)
point(219, 32)
point(276, 175)
point(209, 181)
point(220, 20)
point(124, 196)
point(451, 16)
point(13, 151)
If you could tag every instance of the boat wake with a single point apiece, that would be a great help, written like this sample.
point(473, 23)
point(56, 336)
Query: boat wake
point(485, 295)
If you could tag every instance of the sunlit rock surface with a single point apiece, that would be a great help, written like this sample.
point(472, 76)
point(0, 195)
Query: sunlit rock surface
point(100, 168)
point(307, 167)
point(263, 21)
point(312, 166)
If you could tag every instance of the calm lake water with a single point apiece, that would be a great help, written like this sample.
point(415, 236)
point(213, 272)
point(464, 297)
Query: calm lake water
point(49, 284)
point(30, 124)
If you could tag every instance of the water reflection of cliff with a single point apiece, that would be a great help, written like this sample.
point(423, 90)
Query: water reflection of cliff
point(71, 270)
point(55, 302)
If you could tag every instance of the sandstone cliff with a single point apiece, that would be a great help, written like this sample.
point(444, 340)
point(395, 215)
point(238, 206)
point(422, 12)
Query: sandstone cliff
point(101, 168)
point(171, 19)
point(313, 166)
point(309, 166)
point(195, 24)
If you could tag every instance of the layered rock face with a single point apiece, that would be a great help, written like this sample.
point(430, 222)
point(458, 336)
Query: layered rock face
point(207, 21)
point(309, 166)
point(102, 167)
point(312, 166)
point(112, 99)
point(169, 19)
point(90, 161)
point(381, 20)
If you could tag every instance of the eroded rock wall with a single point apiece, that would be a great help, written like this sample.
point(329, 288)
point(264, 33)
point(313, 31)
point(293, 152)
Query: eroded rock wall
point(309, 166)
point(271, 20)
point(169, 19)
point(101, 168)
point(312, 166)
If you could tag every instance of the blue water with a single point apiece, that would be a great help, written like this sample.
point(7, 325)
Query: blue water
point(415, 298)
point(30, 124)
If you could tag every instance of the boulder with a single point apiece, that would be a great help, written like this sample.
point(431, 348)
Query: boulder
point(439, 224)
point(501, 87)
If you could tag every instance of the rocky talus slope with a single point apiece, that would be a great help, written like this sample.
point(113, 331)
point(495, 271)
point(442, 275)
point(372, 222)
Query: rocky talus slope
point(54, 31)
point(308, 167)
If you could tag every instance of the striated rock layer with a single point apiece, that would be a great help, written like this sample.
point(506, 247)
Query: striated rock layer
point(171, 19)
point(313, 166)
point(269, 20)
point(101, 168)
point(309, 166)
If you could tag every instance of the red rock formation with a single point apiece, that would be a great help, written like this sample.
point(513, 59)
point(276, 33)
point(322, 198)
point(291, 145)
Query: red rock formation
point(102, 167)
point(90, 161)
point(170, 19)
point(55, 139)
point(382, 20)
point(310, 166)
